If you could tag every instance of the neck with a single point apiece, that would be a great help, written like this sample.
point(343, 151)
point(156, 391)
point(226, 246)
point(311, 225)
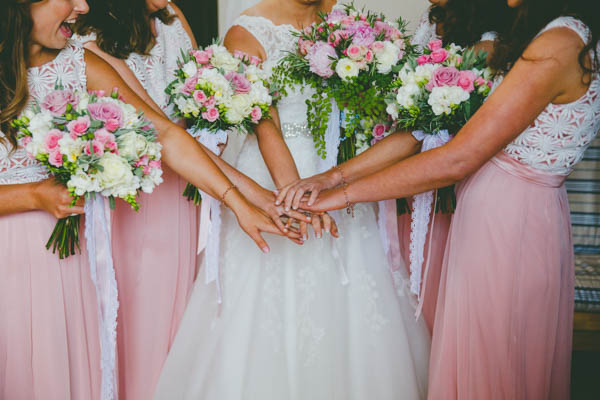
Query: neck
point(39, 55)
point(302, 13)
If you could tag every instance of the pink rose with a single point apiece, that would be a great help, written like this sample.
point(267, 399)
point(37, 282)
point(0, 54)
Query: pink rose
point(51, 140)
point(304, 46)
point(105, 112)
point(200, 97)
point(480, 81)
point(378, 47)
point(355, 52)
point(466, 79)
point(57, 101)
point(369, 56)
point(240, 83)
point(79, 126)
point(255, 60)
point(320, 58)
point(443, 76)
point(202, 57)
point(112, 125)
point(256, 114)
point(434, 45)
point(55, 158)
point(103, 136)
point(439, 55)
point(424, 59)
point(189, 85)
point(96, 146)
point(380, 27)
point(211, 114)
point(210, 102)
point(379, 131)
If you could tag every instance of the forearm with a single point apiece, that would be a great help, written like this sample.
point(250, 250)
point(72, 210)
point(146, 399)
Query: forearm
point(276, 154)
point(17, 198)
point(392, 149)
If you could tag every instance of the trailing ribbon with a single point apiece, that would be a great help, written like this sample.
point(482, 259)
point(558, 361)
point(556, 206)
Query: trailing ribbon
point(98, 241)
point(421, 213)
point(388, 231)
point(209, 232)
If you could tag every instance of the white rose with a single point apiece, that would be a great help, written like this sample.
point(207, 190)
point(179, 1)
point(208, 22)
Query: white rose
point(388, 58)
point(187, 106)
point(423, 73)
point(150, 181)
point(72, 148)
point(40, 124)
point(223, 59)
point(83, 183)
point(132, 146)
point(254, 73)
point(392, 110)
point(259, 94)
point(404, 96)
point(233, 116)
point(240, 104)
point(190, 69)
point(116, 177)
point(153, 150)
point(346, 68)
point(443, 98)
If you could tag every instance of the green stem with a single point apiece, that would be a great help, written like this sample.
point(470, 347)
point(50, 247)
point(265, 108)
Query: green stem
point(65, 237)
point(192, 194)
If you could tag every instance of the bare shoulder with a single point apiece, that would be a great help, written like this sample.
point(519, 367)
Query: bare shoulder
point(238, 38)
point(561, 45)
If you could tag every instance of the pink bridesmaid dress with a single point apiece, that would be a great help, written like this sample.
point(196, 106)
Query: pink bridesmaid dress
point(49, 344)
point(155, 248)
point(504, 321)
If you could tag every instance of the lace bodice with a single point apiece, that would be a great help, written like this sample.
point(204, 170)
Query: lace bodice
point(557, 139)
point(68, 69)
point(155, 71)
point(277, 41)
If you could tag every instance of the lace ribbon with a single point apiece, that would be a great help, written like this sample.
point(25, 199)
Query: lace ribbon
point(97, 233)
point(421, 213)
point(209, 233)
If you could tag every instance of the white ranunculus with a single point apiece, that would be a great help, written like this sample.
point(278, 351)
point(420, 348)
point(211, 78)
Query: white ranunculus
point(116, 177)
point(259, 94)
point(187, 106)
point(153, 150)
point(150, 181)
point(423, 73)
point(233, 116)
point(404, 96)
point(223, 59)
point(388, 58)
point(346, 68)
point(83, 183)
point(84, 100)
point(240, 104)
point(132, 145)
point(392, 110)
point(40, 124)
point(443, 98)
point(72, 148)
point(190, 69)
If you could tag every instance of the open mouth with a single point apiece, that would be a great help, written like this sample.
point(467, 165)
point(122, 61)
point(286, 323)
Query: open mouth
point(65, 28)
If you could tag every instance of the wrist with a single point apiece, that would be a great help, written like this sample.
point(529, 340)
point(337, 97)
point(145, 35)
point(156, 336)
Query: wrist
point(335, 176)
point(33, 196)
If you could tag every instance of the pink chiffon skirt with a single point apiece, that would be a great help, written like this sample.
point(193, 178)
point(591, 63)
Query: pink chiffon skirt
point(504, 320)
point(49, 345)
point(433, 258)
point(155, 264)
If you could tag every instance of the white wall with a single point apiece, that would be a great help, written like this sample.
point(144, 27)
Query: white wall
point(410, 10)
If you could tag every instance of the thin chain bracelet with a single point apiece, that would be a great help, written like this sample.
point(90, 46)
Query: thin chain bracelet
point(225, 194)
point(349, 206)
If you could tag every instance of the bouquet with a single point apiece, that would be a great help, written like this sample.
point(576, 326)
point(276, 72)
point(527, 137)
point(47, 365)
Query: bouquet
point(94, 144)
point(350, 59)
point(434, 96)
point(216, 91)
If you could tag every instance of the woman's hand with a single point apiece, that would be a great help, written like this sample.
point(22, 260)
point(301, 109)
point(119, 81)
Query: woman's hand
point(333, 199)
point(53, 197)
point(255, 221)
point(291, 195)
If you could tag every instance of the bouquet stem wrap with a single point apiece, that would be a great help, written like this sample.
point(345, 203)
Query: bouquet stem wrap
point(98, 240)
point(209, 235)
point(420, 215)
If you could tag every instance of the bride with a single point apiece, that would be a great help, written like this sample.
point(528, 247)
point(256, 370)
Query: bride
point(320, 321)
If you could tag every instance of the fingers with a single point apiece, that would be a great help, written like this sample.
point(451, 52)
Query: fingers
point(304, 230)
point(260, 241)
point(334, 229)
point(295, 203)
point(327, 223)
point(298, 215)
point(316, 223)
point(66, 211)
point(80, 202)
point(313, 196)
point(281, 194)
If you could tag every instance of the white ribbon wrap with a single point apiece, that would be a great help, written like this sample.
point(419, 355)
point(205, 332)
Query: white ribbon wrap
point(98, 241)
point(209, 234)
point(421, 213)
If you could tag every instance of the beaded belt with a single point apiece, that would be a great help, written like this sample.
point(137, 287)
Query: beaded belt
point(292, 130)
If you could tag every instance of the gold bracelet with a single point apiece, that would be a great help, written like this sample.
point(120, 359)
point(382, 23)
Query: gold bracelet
point(349, 206)
point(337, 167)
point(225, 194)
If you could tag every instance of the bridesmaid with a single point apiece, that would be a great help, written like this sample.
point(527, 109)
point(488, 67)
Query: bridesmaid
point(49, 345)
point(155, 248)
point(504, 324)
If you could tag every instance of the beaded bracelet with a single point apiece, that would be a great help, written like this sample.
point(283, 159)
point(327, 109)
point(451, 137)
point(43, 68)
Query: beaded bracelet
point(226, 192)
point(349, 206)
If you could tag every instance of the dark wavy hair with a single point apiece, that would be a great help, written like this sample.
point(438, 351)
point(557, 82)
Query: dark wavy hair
point(15, 31)
point(464, 21)
point(122, 27)
point(532, 16)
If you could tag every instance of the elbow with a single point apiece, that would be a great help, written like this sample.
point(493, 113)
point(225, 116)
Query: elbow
point(459, 170)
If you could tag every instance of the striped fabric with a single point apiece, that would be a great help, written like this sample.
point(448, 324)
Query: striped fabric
point(583, 187)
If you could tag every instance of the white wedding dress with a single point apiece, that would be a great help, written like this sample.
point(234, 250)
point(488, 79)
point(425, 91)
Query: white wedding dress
point(321, 321)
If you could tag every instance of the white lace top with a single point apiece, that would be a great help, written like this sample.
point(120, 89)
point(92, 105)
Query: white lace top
point(557, 139)
point(276, 41)
point(68, 69)
point(155, 71)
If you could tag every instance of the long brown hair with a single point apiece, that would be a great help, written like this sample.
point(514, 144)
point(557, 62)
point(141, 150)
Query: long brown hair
point(122, 27)
point(532, 16)
point(15, 30)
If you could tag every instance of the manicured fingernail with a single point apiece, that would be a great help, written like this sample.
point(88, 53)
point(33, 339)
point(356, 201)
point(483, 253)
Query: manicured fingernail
point(285, 230)
point(305, 237)
point(287, 209)
point(265, 249)
point(308, 219)
point(310, 203)
point(318, 236)
point(295, 207)
point(326, 230)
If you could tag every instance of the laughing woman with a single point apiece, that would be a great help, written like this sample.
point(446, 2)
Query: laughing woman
point(49, 346)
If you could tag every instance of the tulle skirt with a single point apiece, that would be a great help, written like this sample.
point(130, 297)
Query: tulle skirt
point(504, 321)
point(49, 345)
point(155, 263)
